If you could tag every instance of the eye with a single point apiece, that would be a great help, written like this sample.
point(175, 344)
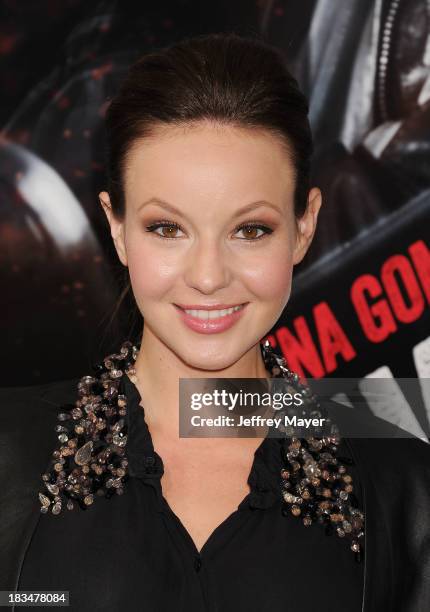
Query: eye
point(172, 228)
point(250, 230)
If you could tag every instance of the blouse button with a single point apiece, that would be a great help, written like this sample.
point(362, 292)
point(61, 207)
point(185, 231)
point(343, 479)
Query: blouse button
point(197, 564)
point(149, 463)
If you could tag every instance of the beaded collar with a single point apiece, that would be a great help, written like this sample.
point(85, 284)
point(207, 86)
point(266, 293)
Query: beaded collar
point(92, 462)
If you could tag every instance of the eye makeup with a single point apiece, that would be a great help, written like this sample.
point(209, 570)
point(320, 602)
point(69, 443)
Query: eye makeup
point(163, 223)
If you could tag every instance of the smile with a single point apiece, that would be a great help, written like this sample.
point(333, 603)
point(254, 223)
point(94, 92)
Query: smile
point(211, 320)
point(212, 314)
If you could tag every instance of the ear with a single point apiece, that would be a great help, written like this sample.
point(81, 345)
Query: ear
point(116, 227)
point(307, 224)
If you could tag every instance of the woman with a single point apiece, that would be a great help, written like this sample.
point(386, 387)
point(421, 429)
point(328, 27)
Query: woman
point(209, 208)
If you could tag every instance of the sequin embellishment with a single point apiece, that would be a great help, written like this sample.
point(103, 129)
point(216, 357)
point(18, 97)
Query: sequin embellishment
point(91, 460)
point(315, 483)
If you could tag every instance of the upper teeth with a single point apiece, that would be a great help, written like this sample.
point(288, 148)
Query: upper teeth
point(212, 314)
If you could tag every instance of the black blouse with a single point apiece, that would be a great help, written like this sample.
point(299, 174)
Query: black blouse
point(131, 552)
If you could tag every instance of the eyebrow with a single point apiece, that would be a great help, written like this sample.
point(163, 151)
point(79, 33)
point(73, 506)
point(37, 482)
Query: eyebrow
point(241, 211)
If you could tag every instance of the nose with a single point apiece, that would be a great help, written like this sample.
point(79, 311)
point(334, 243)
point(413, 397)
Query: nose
point(207, 268)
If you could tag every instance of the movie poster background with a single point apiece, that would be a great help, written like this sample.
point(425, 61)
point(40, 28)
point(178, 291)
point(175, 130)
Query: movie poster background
point(361, 298)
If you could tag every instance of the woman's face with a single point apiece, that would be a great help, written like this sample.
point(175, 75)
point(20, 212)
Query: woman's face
point(210, 222)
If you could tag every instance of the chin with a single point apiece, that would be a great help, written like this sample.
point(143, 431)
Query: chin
point(215, 356)
point(208, 362)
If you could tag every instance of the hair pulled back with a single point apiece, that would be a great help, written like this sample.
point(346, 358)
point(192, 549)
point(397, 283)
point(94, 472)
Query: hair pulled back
point(223, 77)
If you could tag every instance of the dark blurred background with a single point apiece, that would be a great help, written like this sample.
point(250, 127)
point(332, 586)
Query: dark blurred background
point(360, 302)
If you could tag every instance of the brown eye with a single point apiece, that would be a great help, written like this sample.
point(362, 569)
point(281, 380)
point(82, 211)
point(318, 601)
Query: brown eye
point(250, 232)
point(169, 231)
point(164, 229)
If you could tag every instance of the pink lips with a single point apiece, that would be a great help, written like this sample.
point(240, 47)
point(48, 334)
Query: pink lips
point(211, 326)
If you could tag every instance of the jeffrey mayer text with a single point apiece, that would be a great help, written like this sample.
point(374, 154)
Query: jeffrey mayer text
point(255, 421)
point(293, 421)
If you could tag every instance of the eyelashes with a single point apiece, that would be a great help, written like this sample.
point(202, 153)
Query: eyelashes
point(174, 226)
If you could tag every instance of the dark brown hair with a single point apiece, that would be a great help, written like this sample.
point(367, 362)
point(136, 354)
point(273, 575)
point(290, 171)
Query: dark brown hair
point(226, 78)
point(223, 77)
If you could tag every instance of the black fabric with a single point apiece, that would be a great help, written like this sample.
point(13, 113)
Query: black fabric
point(128, 553)
point(132, 552)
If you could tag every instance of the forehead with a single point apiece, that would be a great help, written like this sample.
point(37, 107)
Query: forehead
point(209, 160)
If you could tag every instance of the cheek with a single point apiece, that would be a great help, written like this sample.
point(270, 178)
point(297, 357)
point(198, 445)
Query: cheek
point(151, 275)
point(269, 276)
point(266, 273)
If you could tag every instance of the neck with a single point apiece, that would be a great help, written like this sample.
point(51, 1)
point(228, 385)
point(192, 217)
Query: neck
point(158, 370)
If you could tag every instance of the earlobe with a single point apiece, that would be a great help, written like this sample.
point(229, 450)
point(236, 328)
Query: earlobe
point(104, 200)
point(118, 238)
point(299, 252)
point(116, 227)
point(306, 225)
